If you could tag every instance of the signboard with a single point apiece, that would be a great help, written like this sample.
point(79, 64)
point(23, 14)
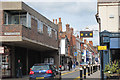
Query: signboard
point(75, 53)
point(12, 33)
point(86, 34)
point(102, 47)
point(1, 50)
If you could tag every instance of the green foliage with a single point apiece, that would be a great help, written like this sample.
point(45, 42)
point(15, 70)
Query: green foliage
point(107, 68)
point(114, 68)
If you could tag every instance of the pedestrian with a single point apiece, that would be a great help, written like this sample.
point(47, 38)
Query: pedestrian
point(74, 65)
point(19, 69)
point(69, 65)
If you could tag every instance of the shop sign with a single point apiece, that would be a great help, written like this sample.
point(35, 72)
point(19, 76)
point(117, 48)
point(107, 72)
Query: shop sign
point(1, 50)
point(102, 47)
point(12, 33)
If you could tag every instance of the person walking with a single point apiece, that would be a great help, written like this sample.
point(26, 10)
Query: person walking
point(74, 65)
point(19, 69)
point(69, 65)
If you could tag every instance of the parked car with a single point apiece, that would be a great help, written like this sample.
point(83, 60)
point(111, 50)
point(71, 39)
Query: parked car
point(44, 71)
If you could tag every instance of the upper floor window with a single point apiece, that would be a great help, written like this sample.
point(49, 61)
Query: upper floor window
point(5, 18)
point(40, 26)
point(14, 18)
point(28, 20)
point(56, 35)
point(49, 31)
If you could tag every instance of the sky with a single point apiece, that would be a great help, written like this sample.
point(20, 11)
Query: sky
point(78, 13)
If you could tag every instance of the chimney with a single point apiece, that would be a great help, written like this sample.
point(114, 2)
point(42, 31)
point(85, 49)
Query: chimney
point(59, 19)
point(85, 41)
point(53, 20)
point(56, 21)
point(67, 27)
point(71, 30)
point(90, 42)
point(60, 25)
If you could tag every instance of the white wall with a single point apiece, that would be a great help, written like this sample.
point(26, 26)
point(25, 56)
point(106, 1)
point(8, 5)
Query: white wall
point(62, 45)
point(106, 11)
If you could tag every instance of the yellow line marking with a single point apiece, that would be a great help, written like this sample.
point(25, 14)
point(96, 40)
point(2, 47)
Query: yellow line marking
point(69, 72)
point(79, 77)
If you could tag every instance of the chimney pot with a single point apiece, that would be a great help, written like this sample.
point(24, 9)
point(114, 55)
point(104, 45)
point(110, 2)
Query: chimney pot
point(56, 21)
point(90, 42)
point(53, 20)
point(59, 19)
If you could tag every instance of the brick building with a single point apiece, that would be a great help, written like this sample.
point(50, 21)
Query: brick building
point(26, 35)
point(70, 45)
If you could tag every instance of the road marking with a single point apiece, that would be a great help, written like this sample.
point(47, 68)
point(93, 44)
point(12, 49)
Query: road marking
point(69, 72)
point(79, 77)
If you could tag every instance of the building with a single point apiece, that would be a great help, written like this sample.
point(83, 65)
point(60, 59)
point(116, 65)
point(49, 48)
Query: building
point(108, 12)
point(108, 17)
point(67, 44)
point(89, 52)
point(26, 35)
point(78, 47)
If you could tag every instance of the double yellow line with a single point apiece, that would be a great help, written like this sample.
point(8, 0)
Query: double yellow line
point(69, 72)
point(79, 77)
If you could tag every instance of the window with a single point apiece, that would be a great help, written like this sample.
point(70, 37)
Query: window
point(40, 26)
point(5, 18)
point(14, 18)
point(49, 31)
point(56, 34)
point(28, 20)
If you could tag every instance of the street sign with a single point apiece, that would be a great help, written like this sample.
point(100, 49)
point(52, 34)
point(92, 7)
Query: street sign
point(102, 47)
point(86, 34)
point(75, 53)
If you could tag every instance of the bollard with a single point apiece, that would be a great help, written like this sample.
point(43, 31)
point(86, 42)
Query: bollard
point(88, 70)
point(81, 73)
point(99, 67)
point(91, 69)
point(96, 68)
point(84, 72)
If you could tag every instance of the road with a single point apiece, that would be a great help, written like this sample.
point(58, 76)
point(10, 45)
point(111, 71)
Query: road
point(73, 75)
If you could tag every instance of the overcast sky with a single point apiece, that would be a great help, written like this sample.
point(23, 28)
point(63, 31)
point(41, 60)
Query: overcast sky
point(78, 13)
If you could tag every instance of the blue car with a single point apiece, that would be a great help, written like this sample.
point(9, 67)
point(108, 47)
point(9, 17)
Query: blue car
point(44, 72)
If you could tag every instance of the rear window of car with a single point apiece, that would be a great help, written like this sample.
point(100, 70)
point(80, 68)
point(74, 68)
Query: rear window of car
point(41, 67)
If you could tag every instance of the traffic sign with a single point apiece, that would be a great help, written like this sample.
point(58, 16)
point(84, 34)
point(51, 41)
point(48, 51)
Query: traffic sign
point(75, 53)
point(86, 34)
point(102, 47)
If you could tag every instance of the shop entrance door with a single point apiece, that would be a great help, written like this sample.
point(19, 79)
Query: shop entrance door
point(6, 67)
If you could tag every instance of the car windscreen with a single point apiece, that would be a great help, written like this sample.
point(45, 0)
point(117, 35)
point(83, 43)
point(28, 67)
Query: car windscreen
point(40, 67)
